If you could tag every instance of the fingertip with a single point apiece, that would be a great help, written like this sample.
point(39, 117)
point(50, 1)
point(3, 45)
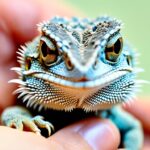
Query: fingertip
point(6, 96)
point(92, 133)
point(18, 140)
point(140, 109)
point(7, 49)
point(24, 15)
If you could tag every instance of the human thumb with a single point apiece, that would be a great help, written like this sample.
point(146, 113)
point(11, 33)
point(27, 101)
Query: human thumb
point(88, 134)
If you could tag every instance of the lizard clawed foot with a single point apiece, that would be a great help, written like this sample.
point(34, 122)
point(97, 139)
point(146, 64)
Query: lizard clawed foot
point(25, 123)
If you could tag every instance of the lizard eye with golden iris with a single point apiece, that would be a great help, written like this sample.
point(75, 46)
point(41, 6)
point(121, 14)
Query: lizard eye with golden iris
point(27, 63)
point(113, 50)
point(49, 53)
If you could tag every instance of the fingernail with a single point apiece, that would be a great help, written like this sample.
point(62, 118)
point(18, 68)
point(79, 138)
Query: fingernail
point(98, 134)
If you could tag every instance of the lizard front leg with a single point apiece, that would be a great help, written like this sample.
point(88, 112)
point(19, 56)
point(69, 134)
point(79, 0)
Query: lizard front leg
point(130, 128)
point(20, 118)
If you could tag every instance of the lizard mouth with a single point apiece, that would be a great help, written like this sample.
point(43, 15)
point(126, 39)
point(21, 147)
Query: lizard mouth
point(101, 81)
point(64, 94)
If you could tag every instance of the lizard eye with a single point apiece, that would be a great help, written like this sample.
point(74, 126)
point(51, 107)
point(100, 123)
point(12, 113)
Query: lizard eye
point(113, 49)
point(48, 51)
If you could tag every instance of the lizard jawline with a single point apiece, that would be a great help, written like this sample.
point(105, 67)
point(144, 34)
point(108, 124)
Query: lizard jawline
point(100, 82)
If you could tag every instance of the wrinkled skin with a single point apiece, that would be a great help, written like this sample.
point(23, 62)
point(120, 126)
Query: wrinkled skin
point(15, 29)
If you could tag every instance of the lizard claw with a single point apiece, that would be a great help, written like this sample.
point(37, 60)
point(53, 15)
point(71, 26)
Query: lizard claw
point(40, 122)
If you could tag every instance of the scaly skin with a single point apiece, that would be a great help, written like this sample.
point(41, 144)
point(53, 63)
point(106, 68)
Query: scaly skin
point(77, 64)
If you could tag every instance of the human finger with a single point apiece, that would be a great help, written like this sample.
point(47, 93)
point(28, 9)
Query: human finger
point(25, 14)
point(89, 134)
point(140, 109)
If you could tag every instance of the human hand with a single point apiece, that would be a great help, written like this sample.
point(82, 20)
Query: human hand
point(90, 134)
point(141, 110)
point(18, 20)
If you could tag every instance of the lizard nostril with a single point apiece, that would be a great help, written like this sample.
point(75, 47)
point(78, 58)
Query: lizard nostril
point(68, 63)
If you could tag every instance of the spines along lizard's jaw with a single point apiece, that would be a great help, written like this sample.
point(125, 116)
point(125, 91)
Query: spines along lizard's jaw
point(45, 93)
point(54, 96)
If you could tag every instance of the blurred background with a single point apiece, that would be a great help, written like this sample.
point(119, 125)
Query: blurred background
point(136, 18)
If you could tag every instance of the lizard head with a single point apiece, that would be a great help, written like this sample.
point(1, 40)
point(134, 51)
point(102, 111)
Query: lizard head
point(76, 63)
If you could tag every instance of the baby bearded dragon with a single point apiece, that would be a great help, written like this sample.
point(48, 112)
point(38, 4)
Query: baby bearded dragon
point(77, 64)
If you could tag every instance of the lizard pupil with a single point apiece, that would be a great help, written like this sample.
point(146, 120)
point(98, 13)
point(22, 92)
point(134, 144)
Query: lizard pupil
point(117, 46)
point(45, 49)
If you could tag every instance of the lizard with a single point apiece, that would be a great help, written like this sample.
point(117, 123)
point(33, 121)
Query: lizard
point(77, 64)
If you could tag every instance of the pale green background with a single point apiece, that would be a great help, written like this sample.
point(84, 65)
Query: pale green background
point(136, 17)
